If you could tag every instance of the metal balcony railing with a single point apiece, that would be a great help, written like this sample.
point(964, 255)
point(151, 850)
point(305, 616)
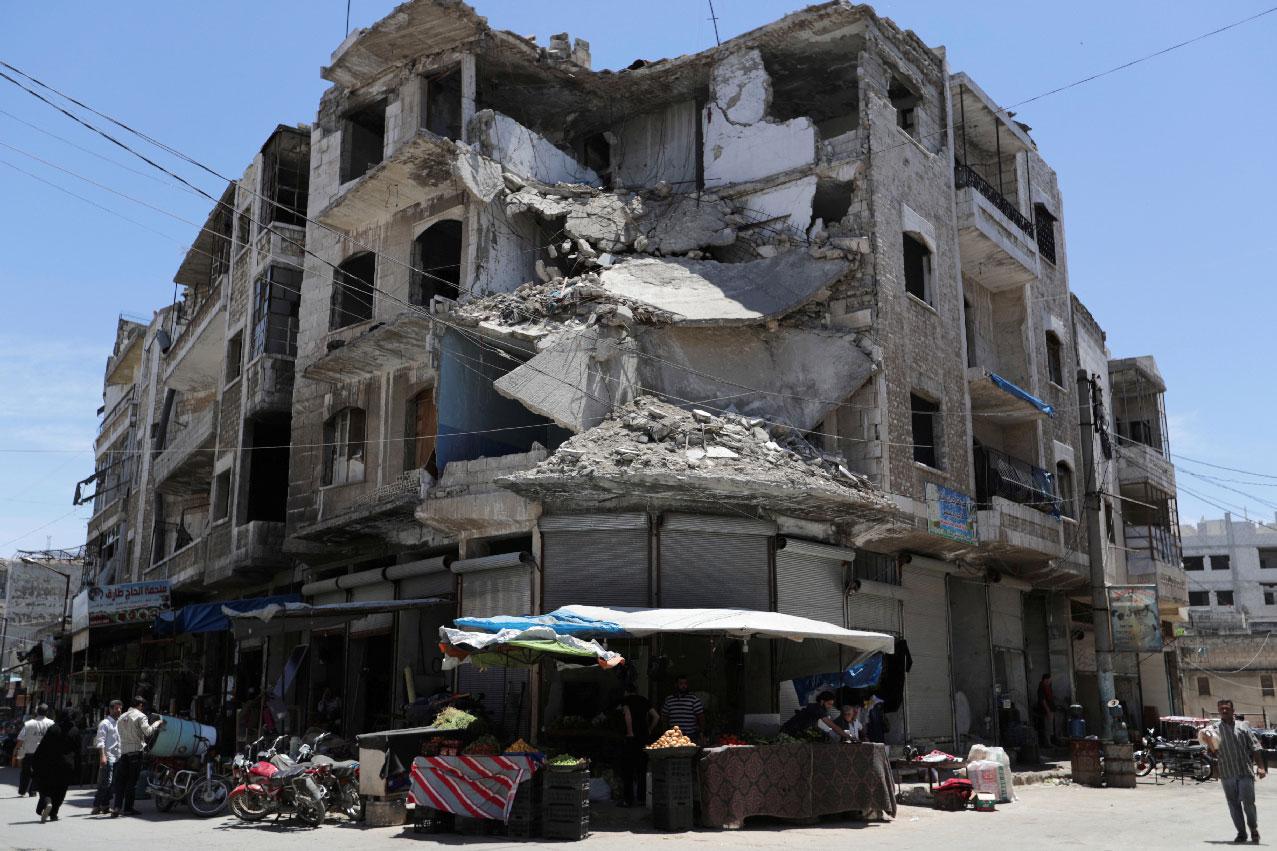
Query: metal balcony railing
point(964, 176)
point(999, 474)
point(1046, 238)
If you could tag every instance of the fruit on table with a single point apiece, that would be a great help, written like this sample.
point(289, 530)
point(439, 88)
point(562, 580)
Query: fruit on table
point(520, 746)
point(729, 739)
point(671, 738)
point(564, 759)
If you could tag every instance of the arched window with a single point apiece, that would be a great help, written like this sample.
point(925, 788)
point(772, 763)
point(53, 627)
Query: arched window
point(353, 288)
point(436, 255)
point(1064, 490)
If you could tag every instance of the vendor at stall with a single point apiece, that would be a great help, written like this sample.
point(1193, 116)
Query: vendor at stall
point(815, 715)
point(849, 722)
point(684, 709)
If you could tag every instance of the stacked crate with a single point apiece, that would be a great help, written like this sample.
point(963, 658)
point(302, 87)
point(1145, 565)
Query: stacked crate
point(566, 804)
point(673, 779)
point(525, 814)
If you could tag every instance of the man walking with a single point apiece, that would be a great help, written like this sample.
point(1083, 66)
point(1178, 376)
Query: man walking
point(28, 740)
point(134, 730)
point(1240, 761)
point(107, 742)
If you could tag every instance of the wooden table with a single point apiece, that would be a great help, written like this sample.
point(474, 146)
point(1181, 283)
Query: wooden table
point(931, 769)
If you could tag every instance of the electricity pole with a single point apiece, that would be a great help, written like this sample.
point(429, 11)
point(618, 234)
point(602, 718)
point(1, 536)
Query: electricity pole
point(1095, 545)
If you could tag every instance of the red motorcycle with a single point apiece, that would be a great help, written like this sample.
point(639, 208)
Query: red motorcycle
point(265, 787)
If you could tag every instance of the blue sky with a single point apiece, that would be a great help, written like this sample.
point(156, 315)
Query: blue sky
point(1166, 172)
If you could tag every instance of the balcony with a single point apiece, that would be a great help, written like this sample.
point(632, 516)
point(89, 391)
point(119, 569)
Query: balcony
point(1141, 464)
point(992, 394)
point(1001, 476)
point(350, 512)
point(998, 244)
point(1029, 545)
point(467, 500)
point(1153, 556)
point(384, 346)
point(245, 553)
point(270, 386)
point(199, 340)
point(186, 461)
point(411, 175)
point(184, 568)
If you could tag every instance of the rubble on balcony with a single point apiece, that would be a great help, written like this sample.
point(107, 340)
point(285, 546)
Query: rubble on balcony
point(653, 451)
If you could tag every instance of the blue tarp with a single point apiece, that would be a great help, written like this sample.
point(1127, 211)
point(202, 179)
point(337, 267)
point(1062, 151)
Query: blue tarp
point(208, 617)
point(1021, 393)
point(864, 674)
point(564, 623)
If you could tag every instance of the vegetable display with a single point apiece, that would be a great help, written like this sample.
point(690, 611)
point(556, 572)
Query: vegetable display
point(452, 718)
point(672, 738)
point(520, 746)
point(564, 760)
point(483, 746)
point(729, 739)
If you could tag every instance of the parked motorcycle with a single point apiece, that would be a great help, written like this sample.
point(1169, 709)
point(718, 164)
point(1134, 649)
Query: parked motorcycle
point(340, 781)
point(1178, 759)
point(203, 790)
point(270, 785)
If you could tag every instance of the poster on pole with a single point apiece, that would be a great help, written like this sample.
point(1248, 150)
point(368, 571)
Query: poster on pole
point(1137, 625)
point(951, 514)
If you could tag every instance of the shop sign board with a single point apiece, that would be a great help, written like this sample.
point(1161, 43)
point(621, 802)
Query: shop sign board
point(132, 602)
point(951, 514)
point(1137, 625)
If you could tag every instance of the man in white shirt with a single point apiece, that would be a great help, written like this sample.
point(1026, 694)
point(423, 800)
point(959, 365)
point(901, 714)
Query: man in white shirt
point(28, 740)
point(107, 741)
point(134, 730)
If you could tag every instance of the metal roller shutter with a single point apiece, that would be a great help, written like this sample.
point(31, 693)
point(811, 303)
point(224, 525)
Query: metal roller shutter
point(429, 585)
point(599, 560)
point(325, 599)
point(376, 623)
point(874, 613)
point(714, 570)
point(500, 591)
point(928, 686)
point(809, 586)
point(506, 695)
point(1006, 622)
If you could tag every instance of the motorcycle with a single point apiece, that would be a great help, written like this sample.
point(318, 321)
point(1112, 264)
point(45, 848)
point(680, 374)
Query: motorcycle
point(205, 792)
point(340, 781)
point(1178, 759)
point(271, 785)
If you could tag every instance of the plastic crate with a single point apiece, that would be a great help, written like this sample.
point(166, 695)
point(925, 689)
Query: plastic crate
point(565, 812)
point(576, 796)
point(673, 817)
point(573, 830)
point(566, 779)
point(429, 820)
point(674, 768)
point(475, 826)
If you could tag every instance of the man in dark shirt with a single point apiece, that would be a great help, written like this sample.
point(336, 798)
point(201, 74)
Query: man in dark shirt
point(640, 720)
point(814, 715)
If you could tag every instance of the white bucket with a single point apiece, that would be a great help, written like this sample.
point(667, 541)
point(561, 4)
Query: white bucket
point(180, 737)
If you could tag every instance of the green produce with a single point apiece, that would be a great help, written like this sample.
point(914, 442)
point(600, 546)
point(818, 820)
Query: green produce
point(453, 718)
point(564, 759)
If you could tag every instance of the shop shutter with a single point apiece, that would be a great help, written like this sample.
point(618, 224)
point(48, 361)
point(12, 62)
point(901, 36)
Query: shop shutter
point(438, 584)
point(377, 623)
point(714, 562)
point(1006, 621)
point(507, 696)
point(595, 560)
point(928, 686)
point(327, 599)
point(873, 613)
point(810, 580)
point(495, 585)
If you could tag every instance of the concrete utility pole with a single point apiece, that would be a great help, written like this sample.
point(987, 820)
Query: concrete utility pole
point(1095, 544)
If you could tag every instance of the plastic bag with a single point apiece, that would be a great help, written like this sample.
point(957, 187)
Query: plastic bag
point(977, 753)
point(991, 778)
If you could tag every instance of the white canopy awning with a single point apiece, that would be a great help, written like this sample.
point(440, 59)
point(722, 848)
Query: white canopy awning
point(294, 617)
point(741, 623)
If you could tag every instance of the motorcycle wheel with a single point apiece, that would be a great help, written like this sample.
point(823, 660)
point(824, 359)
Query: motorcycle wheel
point(1203, 772)
point(250, 806)
point(310, 812)
point(351, 804)
point(208, 797)
point(1143, 765)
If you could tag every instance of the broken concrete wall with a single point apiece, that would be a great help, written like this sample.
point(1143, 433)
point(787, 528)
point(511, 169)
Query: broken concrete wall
point(657, 146)
point(524, 152)
point(741, 142)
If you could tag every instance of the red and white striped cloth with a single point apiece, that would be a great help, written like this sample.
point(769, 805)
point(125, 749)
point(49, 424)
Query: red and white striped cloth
point(472, 786)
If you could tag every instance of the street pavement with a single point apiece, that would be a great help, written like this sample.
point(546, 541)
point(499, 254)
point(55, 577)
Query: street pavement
point(1169, 816)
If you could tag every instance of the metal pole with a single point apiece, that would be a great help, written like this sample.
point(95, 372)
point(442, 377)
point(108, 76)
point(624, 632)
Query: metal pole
point(1095, 545)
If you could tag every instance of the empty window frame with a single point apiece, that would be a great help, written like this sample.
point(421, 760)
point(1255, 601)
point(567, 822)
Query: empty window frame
point(877, 567)
point(363, 140)
point(222, 496)
point(1064, 490)
point(286, 178)
point(442, 104)
point(1270, 595)
point(1268, 559)
point(1266, 685)
point(1199, 598)
point(436, 260)
point(276, 300)
point(1220, 562)
point(243, 229)
point(1223, 598)
point(906, 105)
point(1203, 686)
point(917, 268)
point(234, 356)
point(1194, 562)
point(344, 447)
point(1054, 359)
point(353, 287)
point(925, 417)
point(421, 428)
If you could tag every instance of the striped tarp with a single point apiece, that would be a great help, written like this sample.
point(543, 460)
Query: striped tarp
point(472, 786)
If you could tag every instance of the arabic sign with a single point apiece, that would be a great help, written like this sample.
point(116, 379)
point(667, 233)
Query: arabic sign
point(1137, 627)
point(133, 602)
point(35, 593)
point(951, 514)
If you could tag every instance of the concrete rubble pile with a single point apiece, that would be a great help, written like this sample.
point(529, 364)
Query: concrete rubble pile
point(580, 301)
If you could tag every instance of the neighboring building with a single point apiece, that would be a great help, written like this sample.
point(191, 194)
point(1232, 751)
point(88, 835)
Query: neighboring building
point(1231, 567)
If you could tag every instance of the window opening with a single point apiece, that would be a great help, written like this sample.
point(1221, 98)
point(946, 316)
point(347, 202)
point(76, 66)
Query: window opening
point(924, 416)
point(877, 567)
point(1194, 562)
point(1224, 598)
point(443, 104)
point(1268, 559)
point(222, 496)
point(276, 301)
point(1044, 228)
point(286, 177)
point(1270, 595)
point(437, 257)
point(1203, 686)
point(234, 356)
point(267, 492)
point(1266, 685)
point(363, 140)
point(917, 268)
point(1220, 562)
point(1199, 598)
point(421, 429)
point(906, 105)
point(1064, 490)
point(1054, 358)
point(353, 291)
point(244, 228)
point(344, 447)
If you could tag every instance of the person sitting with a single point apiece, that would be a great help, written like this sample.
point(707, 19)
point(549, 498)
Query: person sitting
point(815, 715)
point(849, 722)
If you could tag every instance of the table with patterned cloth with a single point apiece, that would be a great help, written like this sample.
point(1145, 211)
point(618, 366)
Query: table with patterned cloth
point(795, 781)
